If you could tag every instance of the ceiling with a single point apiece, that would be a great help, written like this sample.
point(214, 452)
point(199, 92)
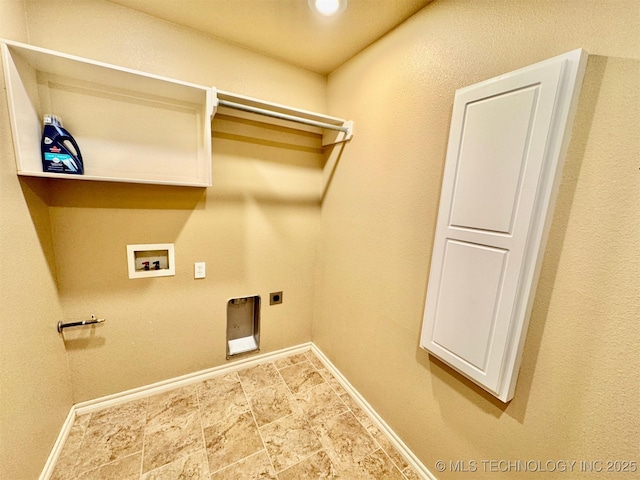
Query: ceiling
point(286, 29)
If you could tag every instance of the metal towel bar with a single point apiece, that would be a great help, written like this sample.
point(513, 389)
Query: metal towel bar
point(93, 321)
point(284, 112)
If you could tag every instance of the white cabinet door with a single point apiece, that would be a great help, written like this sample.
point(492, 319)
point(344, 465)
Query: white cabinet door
point(507, 143)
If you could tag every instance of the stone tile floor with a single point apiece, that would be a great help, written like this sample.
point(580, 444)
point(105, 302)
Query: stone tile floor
point(287, 419)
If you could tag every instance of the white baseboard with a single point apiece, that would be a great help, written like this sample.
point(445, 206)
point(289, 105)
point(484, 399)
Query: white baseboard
point(402, 448)
point(153, 389)
point(57, 446)
point(184, 380)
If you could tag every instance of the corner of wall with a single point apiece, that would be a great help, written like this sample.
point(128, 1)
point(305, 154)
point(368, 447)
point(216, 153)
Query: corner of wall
point(34, 378)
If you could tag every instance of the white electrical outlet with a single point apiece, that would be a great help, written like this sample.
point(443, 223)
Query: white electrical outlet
point(199, 270)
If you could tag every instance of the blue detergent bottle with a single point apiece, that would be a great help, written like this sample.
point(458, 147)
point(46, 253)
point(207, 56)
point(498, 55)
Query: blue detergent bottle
point(60, 152)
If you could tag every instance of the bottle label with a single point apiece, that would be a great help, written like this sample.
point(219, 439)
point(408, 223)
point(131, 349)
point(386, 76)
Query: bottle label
point(60, 162)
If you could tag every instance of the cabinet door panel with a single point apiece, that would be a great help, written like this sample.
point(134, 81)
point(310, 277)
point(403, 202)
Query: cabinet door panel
point(477, 272)
point(495, 133)
point(507, 142)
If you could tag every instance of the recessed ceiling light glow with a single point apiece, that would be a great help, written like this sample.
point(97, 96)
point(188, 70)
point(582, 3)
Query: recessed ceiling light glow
point(328, 7)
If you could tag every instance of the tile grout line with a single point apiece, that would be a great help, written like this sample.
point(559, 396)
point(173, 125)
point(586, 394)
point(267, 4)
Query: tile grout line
point(236, 462)
point(349, 410)
point(284, 381)
point(84, 433)
point(313, 429)
point(94, 469)
point(264, 445)
point(189, 413)
point(76, 466)
point(384, 450)
point(144, 437)
point(296, 410)
point(304, 459)
point(293, 413)
point(204, 439)
point(390, 459)
point(374, 440)
point(412, 461)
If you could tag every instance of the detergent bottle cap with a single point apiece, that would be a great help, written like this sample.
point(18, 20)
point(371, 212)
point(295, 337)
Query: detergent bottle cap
point(50, 119)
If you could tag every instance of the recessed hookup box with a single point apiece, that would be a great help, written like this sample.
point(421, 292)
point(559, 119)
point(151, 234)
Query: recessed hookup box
point(243, 325)
point(151, 260)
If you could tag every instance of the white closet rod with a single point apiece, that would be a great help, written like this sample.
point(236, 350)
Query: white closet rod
point(282, 116)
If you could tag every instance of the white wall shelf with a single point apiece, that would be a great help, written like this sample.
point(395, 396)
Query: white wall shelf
point(131, 126)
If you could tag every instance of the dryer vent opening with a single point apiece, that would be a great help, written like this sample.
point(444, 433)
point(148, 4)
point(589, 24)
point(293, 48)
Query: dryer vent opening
point(243, 325)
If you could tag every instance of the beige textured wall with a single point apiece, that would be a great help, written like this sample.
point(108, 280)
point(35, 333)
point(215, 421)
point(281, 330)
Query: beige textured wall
point(13, 20)
point(576, 397)
point(256, 228)
point(35, 389)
